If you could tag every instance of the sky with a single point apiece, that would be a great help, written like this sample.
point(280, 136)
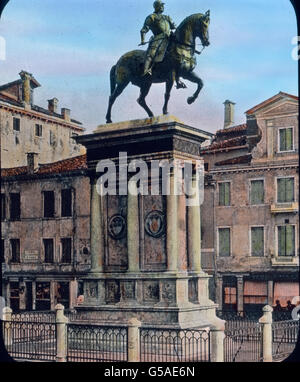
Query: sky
point(70, 46)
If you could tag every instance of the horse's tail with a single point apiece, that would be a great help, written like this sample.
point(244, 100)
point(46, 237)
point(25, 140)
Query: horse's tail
point(112, 79)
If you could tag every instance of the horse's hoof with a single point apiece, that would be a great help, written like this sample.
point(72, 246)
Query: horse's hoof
point(190, 100)
point(108, 121)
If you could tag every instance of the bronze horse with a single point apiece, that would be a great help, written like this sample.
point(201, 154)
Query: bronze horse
point(179, 61)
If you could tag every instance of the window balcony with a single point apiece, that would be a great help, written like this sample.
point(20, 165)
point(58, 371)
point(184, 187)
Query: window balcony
point(285, 261)
point(284, 208)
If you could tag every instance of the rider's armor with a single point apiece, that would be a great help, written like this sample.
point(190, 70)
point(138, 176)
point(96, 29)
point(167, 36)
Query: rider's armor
point(161, 26)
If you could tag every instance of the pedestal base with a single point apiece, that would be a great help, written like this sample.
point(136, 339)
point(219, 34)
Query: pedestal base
point(176, 300)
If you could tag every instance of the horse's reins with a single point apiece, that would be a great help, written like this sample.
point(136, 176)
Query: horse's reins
point(181, 43)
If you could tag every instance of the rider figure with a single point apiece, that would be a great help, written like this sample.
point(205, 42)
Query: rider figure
point(161, 26)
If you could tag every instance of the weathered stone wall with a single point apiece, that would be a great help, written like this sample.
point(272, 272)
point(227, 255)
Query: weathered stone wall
point(16, 144)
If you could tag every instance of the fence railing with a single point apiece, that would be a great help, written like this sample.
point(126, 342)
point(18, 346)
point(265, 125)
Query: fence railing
point(284, 338)
point(49, 336)
point(93, 343)
point(170, 345)
point(243, 345)
point(30, 340)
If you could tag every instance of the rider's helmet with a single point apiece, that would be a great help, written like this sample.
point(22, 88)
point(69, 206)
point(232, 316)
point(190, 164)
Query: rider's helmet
point(157, 4)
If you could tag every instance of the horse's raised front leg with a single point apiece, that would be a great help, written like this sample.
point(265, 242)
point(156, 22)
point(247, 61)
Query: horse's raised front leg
point(118, 90)
point(169, 85)
point(191, 76)
point(141, 100)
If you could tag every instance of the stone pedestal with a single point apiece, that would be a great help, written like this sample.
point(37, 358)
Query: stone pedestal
point(146, 248)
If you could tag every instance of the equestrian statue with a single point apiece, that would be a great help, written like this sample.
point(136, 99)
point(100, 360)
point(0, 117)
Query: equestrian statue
point(170, 55)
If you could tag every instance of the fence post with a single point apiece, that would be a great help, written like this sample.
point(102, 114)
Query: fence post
point(7, 312)
point(61, 334)
point(133, 340)
point(217, 342)
point(266, 321)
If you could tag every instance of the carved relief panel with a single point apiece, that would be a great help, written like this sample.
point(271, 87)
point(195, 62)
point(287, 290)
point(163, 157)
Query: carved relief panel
point(153, 232)
point(116, 232)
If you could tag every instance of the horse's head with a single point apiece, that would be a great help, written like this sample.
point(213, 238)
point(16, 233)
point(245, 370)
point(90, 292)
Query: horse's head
point(204, 24)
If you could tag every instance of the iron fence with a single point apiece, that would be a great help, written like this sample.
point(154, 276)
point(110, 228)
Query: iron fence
point(93, 343)
point(284, 336)
point(172, 345)
point(243, 345)
point(30, 340)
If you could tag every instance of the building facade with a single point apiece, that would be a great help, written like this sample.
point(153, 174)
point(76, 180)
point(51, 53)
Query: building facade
point(45, 213)
point(250, 220)
point(28, 128)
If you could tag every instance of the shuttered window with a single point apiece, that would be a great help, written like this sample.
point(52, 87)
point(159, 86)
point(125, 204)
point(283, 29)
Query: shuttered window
point(66, 249)
point(257, 194)
point(49, 204)
point(66, 202)
point(224, 242)
point(224, 194)
point(3, 207)
point(15, 206)
point(16, 124)
point(15, 250)
point(286, 139)
point(286, 240)
point(285, 190)
point(257, 241)
point(48, 250)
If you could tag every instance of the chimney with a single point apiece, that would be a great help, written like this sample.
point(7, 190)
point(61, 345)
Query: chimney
point(32, 162)
point(26, 78)
point(52, 105)
point(66, 114)
point(229, 114)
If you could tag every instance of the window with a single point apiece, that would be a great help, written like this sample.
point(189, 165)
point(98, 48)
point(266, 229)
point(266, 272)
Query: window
point(2, 257)
point(285, 190)
point(49, 204)
point(224, 194)
point(38, 130)
point(230, 295)
point(16, 124)
point(3, 207)
point(15, 206)
point(43, 296)
point(286, 142)
point(257, 241)
point(15, 250)
point(286, 240)
point(224, 242)
point(48, 250)
point(66, 250)
point(257, 194)
point(66, 202)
